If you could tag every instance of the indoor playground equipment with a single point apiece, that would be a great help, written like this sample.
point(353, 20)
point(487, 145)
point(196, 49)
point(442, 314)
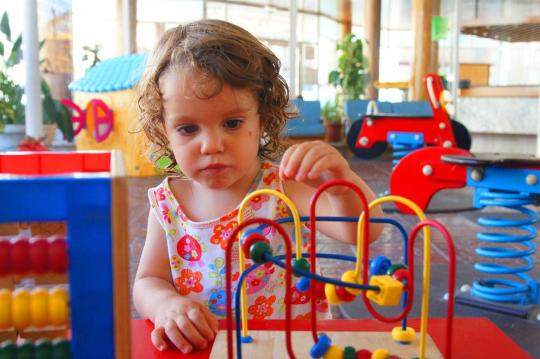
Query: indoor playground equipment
point(507, 182)
point(378, 281)
point(80, 189)
point(369, 136)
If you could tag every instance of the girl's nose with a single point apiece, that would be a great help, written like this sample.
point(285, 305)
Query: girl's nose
point(212, 142)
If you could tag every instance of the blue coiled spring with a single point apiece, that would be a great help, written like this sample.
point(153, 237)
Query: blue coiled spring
point(404, 143)
point(516, 286)
point(401, 150)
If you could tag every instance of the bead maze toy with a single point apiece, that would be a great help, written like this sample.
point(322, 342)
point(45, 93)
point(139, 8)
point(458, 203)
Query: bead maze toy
point(509, 182)
point(369, 136)
point(388, 284)
point(80, 189)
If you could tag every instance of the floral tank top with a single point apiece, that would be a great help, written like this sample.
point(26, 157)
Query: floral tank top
point(197, 253)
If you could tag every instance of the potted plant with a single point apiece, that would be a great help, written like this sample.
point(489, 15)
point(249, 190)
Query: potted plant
point(12, 109)
point(332, 122)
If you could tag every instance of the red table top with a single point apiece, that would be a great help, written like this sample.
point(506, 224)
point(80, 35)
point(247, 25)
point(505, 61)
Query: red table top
point(473, 337)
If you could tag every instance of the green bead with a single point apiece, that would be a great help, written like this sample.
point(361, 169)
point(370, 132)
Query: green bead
point(302, 264)
point(8, 350)
point(395, 267)
point(25, 350)
point(61, 349)
point(43, 349)
point(257, 251)
point(349, 353)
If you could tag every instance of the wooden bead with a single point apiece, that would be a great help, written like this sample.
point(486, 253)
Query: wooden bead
point(20, 309)
point(5, 309)
point(39, 307)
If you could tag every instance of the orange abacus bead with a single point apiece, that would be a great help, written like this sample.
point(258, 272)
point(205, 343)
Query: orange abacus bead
point(20, 309)
point(58, 306)
point(5, 309)
point(39, 307)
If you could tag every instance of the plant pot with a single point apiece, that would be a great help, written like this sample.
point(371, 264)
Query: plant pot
point(332, 132)
point(11, 136)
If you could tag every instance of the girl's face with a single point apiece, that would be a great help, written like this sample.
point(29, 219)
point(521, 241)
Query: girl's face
point(214, 140)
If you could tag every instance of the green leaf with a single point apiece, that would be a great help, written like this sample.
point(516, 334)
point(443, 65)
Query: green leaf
point(1, 49)
point(4, 26)
point(16, 53)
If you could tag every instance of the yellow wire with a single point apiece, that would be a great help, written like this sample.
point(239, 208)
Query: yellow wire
point(427, 259)
point(297, 236)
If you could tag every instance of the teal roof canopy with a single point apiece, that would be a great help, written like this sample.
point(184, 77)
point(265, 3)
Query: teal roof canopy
point(114, 74)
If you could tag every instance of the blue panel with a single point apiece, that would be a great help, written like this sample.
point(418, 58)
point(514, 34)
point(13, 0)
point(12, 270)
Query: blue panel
point(308, 123)
point(413, 108)
point(84, 204)
point(355, 109)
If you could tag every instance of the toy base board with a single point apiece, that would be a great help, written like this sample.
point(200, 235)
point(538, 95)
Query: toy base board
point(271, 344)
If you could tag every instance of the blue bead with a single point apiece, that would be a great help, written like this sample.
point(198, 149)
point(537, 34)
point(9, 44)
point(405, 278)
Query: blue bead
point(321, 347)
point(379, 265)
point(246, 339)
point(303, 284)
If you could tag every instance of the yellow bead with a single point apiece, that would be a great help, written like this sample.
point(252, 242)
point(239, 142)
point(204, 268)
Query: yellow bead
point(350, 277)
point(5, 309)
point(403, 336)
point(331, 295)
point(380, 354)
point(39, 307)
point(58, 306)
point(390, 290)
point(20, 310)
point(334, 352)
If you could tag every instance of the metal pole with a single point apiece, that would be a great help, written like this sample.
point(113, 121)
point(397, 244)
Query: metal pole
point(32, 90)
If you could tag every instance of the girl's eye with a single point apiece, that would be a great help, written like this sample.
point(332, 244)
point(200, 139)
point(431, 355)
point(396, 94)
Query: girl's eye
point(233, 123)
point(187, 129)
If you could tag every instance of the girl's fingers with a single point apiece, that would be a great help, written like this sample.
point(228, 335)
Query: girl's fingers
point(295, 159)
point(158, 338)
point(199, 320)
point(324, 162)
point(210, 319)
point(190, 332)
point(285, 161)
point(310, 159)
point(174, 333)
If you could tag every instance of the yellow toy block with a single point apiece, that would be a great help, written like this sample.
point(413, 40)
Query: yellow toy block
point(390, 290)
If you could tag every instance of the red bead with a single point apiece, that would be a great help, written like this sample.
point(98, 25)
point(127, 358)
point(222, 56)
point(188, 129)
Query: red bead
point(20, 256)
point(403, 276)
point(58, 256)
point(251, 239)
point(344, 295)
point(5, 257)
point(319, 290)
point(363, 354)
point(39, 256)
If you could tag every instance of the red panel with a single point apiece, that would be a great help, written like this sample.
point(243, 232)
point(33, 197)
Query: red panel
point(21, 163)
point(61, 162)
point(97, 162)
point(473, 337)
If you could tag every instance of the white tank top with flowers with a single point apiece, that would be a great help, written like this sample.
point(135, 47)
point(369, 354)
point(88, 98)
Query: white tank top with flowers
point(197, 253)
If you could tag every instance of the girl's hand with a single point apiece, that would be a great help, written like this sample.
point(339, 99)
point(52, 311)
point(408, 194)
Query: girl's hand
point(185, 323)
point(314, 163)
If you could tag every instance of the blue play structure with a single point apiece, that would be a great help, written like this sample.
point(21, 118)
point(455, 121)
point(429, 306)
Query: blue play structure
point(355, 109)
point(84, 202)
point(308, 123)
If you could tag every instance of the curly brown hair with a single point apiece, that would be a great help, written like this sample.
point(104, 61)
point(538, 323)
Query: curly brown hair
point(230, 55)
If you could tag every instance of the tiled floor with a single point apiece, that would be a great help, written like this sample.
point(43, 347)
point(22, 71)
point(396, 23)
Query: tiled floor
point(453, 208)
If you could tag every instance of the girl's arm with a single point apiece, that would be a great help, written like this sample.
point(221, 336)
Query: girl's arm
point(185, 322)
point(305, 167)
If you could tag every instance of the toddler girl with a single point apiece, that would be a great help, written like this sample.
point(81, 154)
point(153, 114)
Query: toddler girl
point(213, 101)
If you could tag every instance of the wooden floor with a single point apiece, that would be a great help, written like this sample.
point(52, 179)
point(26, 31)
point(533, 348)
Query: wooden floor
point(451, 207)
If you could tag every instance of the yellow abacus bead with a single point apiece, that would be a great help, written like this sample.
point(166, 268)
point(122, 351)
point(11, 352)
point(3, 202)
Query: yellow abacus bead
point(5, 309)
point(350, 277)
point(334, 352)
point(20, 310)
point(331, 295)
point(380, 354)
point(58, 306)
point(403, 336)
point(39, 307)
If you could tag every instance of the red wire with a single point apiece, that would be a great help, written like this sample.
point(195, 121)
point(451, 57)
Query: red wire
point(451, 275)
point(312, 251)
point(288, 282)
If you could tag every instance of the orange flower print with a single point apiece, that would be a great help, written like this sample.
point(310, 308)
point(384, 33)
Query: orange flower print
point(267, 165)
point(269, 178)
point(229, 216)
point(257, 201)
point(167, 214)
point(160, 195)
point(305, 316)
point(189, 281)
point(262, 307)
point(221, 233)
point(176, 262)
